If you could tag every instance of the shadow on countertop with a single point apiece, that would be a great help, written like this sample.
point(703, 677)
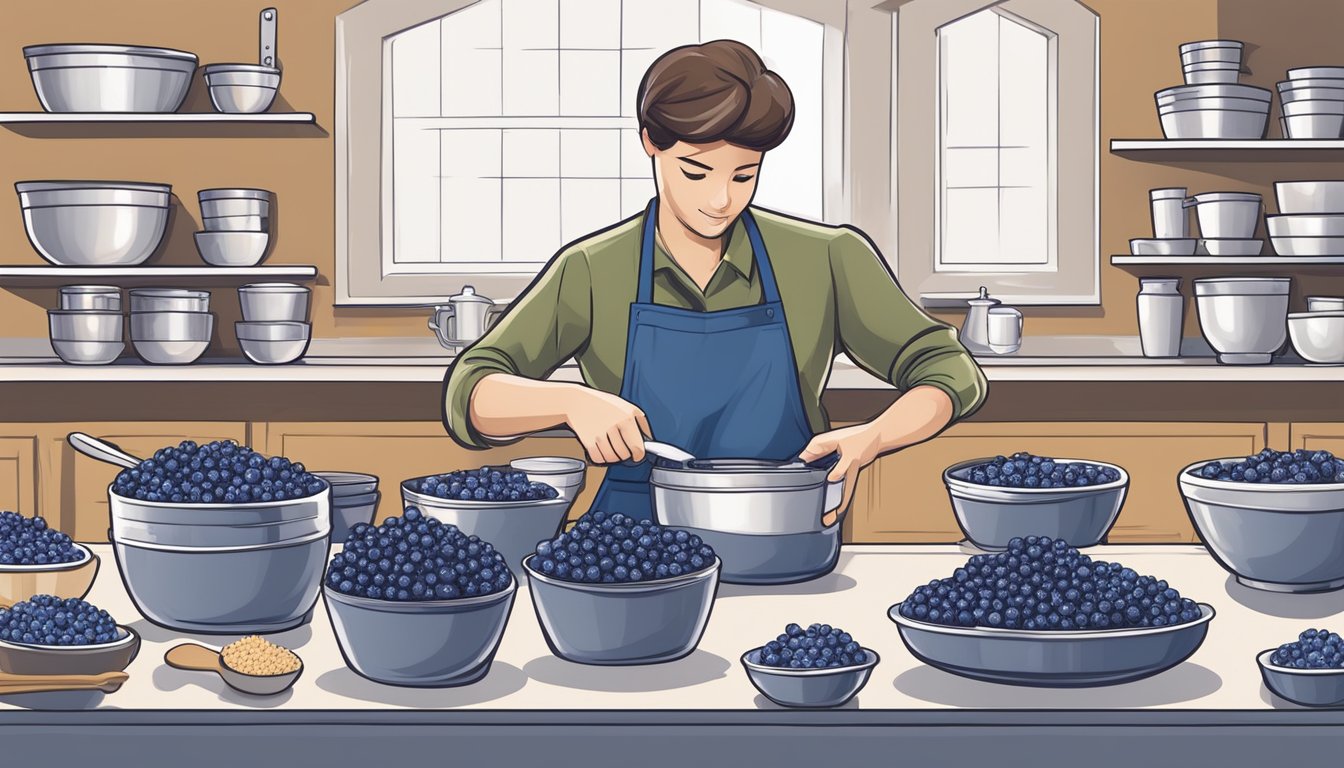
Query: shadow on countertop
point(502, 680)
point(168, 678)
point(825, 585)
point(1313, 605)
point(293, 639)
point(761, 702)
point(699, 667)
point(1186, 682)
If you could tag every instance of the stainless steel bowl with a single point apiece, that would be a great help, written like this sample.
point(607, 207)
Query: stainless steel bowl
point(1280, 538)
point(809, 688)
point(1214, 124)
point(429, 643)
point(349, 511)
point(1323, 197)
point(1211, 50)
point(273, 351)
point(1176, 246)
point(234, 201)
point(1325, 303)
point(349, 483)
point(242, 88)
point(1214, 246)
point(169, 300)
point(647, 622)
point(246, 223)
point(566, 475)
point(1188, 104)
point(272, 331)
point(109, 78)
point(85, 325)
point(93, 223)
point(100, 298)
point(1314, 73)
point(1307, 687)
point(87, 352)
point(25, 659)
point(232, 248)
point(274, 302)
point(1318, 336)
point(513, 527)
point(1215, 72)
point(1313, 107)
point(1214, 90)
point(1308, 246)
point(1227, 215)
point(1313, 126)
point(164, 352)
point(171, 326)
point(1244, 319)
point(1052, 659)
point(991, 516)
point(1305, 225)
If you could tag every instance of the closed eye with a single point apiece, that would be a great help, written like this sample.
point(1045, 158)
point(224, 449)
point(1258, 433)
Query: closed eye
point(743, 177)
point(693, 176)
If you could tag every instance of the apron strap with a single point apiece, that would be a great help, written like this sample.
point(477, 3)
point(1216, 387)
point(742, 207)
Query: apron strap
point(644, 295)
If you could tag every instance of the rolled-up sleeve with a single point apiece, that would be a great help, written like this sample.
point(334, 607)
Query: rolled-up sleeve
point(887, 335)
point(542, 329)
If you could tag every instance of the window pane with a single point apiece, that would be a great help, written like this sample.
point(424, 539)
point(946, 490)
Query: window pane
point(471, 66)
point(587, 205)
point(470, 221)
point(634, 63)
point(415, 205)
point(1023, 167)
point(586, 152)
point(531, 219)
point(635, 164)
point(1022, 238)
point(971, 229)
point(590, 24)
point(968, 65)
point(531, 82)
point(732, 20)
point(469, 153)
point(635, 196)
point(415, 72)
point(791, 180)
point(531, 152)
point(970, 168)
point(659, 24)
point(1023, 83)
point(531, 24)
point(590, 83)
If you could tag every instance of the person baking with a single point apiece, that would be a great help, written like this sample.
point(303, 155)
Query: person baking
point(706, 323)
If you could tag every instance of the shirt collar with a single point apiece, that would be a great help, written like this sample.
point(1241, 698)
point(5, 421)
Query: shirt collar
point(737, 255)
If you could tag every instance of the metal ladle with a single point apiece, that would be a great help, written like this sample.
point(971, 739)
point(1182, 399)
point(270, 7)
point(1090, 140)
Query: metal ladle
point(101, 450)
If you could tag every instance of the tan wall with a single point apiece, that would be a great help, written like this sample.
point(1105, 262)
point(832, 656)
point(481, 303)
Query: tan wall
point(1138, 56)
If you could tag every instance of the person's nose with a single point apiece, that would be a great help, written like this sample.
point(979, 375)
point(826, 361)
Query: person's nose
point(720, 199)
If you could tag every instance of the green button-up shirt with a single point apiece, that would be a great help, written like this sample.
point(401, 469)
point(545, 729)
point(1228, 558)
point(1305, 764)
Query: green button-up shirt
point(837, 293)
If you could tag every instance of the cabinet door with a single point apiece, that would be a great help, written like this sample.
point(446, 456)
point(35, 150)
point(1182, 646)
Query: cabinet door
point(19, 474)
point(400, 450)
point(1318, 436)
point(903, 498)
point(80, 483)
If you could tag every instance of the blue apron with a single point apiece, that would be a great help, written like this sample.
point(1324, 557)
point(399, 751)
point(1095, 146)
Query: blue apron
point(718, 384)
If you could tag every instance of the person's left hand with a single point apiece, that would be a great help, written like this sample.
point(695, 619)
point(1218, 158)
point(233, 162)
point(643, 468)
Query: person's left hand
point(858, 447)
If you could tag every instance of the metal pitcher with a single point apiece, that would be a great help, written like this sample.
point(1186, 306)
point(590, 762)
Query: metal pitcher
point(464, 319)
point(975, 329)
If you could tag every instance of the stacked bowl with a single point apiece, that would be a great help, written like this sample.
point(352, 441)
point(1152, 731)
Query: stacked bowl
point(1244, 319)
point(242, 88)
point(1318, 333)
point(87, 328)
point(1211, 61)
point(1313, 103)
point(237, 226)
point(274, 329)
point(1227, 223)
point(354, 500)
point(1211, 105)
point(94, 223)
point(1310, 220)
point(170, 326)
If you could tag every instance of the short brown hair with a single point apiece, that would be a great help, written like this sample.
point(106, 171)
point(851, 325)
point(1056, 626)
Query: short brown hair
point(715, 91)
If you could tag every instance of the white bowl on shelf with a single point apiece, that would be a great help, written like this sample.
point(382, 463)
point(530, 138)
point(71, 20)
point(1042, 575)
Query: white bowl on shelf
point(1322, 197)
point(1318, 336)
point(223, 248)
point(1229, 246)
point(1168, 246)
point(1244, 319)
point(1308, 246)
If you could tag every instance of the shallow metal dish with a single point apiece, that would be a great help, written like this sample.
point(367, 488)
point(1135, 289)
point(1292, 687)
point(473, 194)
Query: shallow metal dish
point(109, 78)
point(1052, 659)
point(24, 659)
point(1308, 687)
point(1229, 246)
point(808, 688)
point(991, 516)
point(647, 622)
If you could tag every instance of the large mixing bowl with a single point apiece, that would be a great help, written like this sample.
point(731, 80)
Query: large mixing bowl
point(427, 643)
point(991, 516)
point(94, 223)
point(513, 527)
point(763, 519)
point(645, 622)
point(1244, 319)
point(109, 78)
point(1281, 538)
point(223, 568)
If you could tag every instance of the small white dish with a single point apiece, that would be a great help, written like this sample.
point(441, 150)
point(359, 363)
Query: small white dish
point(1155, 246)
point(1227, 246)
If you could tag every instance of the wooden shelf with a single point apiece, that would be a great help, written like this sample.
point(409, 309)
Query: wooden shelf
point(269, 118)
point(49, 275)
point(1269, 262)
point(1247, 150)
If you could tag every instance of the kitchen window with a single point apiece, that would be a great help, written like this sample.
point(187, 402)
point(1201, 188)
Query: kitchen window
point(475, 139)
point(1007, 198)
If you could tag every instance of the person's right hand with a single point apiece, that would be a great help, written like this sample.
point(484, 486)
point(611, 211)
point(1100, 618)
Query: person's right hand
point(610, 429)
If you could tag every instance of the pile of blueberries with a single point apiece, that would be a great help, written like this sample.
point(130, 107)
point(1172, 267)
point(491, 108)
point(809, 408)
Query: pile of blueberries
point(612, 548)
point(1022, 470)
point(486, 484)
point(818, 646)
point(1271, 466)
point(414, 557)
point(29, 541)
point(1314, 649)
point(221, 472)
point(1044, 584)
point(49, 620)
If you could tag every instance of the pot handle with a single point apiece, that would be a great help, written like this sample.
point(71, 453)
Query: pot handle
point(1189, 202)
point(835, 492)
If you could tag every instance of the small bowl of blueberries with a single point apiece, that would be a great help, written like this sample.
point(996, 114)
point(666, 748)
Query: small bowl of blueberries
point(1000, 498)
point(1275, 519)
point(1308, 671)
point(613, 590)
point(36, 559)
point(817, 667)
point(417, 602)
point(500, 504)
point(49, 635)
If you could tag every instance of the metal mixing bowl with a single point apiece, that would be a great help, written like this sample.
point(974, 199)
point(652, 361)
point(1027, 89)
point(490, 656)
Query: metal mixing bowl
point(171, 326)
point(1052, 658)
point(1281, 538)
point(273, 351)
point(1313, 126)
point(646, 622)
point(85, 325)
point(234, 201)
point(810, 688)
point(109, 78)
point(991, 516)
point(242, 88)
point(232, 249)
point(87, 352)
point(160, 352)
point(274, 302)
point(562, 473)
point(91, 297)
point(424, 643)
point(93, 223)
point(245, 223)
point(349, 511)
point(1214, 124)
point(24, 659)
point(1308, 687)
point(64, 580)
point(169, 300)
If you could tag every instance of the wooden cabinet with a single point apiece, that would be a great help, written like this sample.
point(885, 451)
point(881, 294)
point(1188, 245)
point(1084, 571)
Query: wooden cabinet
point(901, 498)
point(20, 479)
point(1318, 437)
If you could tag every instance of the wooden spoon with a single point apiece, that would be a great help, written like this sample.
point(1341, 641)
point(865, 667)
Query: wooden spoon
point(192, 656)
point(108, 682)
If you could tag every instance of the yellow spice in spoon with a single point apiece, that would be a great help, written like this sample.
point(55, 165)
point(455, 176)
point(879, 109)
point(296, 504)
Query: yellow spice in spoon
point(254, 655)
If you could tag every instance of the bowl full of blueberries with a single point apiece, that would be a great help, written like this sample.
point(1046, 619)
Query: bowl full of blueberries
point(418, 602)
point(36, 559)
point(499, 504)
point(613, 590)
point(1000, 498)
point(1275, 520)
point(817, 667)
point(1042, 614)
point(1307, 671)
point(50, 635)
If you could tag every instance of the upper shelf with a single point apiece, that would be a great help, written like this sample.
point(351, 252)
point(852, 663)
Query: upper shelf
point(1176, 150)
point(1255, 262)
point(50, 275)
point(157, 117)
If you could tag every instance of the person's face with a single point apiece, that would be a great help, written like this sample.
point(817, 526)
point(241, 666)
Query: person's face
point(706, 185)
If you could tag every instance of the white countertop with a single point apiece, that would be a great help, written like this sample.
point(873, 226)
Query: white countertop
point(1220, 676)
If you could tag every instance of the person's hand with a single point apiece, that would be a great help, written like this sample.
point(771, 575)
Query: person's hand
point(610, 429)
point(858, 447)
